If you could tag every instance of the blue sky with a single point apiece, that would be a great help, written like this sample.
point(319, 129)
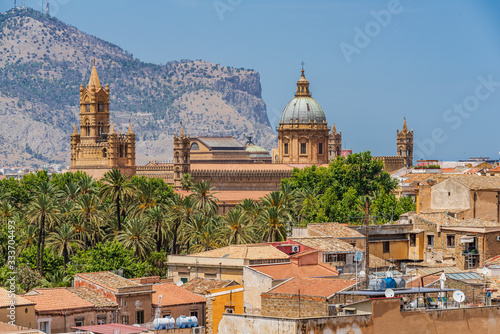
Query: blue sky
point(367, 69)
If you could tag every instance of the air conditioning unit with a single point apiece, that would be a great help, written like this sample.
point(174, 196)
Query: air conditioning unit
point(295, 249)
point(196, 330)
point(498, 237)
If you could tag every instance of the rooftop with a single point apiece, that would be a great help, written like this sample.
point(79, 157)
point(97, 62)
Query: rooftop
point(285, 271)
point(19, 301)
point(221, 143)
point(172, 294)
point(112, 329)
point(201, 285)
point(477, 182)
point(321, 287)
point(241, 167)
point(108, 280)
point(250, 252)
point(92, 297)
point(494, 261)
point(324, 244)
point(445, 220)
point(55, 299)
point(335, 230)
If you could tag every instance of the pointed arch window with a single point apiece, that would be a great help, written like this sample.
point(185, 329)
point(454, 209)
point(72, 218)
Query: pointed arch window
point(100, 128)
point(87, 127)
point(100, 107)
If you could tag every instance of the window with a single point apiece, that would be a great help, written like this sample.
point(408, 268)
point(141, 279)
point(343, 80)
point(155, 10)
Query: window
point(195, 147)
point(430, 241)
point(286, 148)
point(334, 258)
point(99, 128)
point(386, 246)
point(44, 327)
point(413, 239)
point(450, 240)
point(139, 317)
point(166, 314)
point(101, 107)
point(104, 153)
point(303, 148)
point(125, 319)
point(194, 314)
point(320, 148)
point(87, 107)
point(121, 151)
point(184, 279)
point(87, 126)
point(101, 320)
point(229, 309)
point(79, 321)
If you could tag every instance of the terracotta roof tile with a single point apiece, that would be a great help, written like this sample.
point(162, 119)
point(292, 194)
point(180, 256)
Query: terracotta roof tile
point(108, 279)
point(250, 252)
point(445, 220)
point(477, 182)
point(321, 287)
point(201, 285)
point(496, 169)
point(335, 230)
point(92, 297)
point(56, 299)
point(284, 271)
point(172, 294)
point(324, 244)
point(19, 300)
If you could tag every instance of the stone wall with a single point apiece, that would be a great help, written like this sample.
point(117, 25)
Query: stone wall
point(293, 306)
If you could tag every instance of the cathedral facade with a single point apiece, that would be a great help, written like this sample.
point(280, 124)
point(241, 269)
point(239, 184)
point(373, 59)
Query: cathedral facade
point(98, 148)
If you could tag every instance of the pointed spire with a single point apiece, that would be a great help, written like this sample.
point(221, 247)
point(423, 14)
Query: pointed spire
point(94, 78)
point(75, 131)
point(334, 128)
point(111, 128)
point(405, 127)
point(181, 133)
point(129, 127)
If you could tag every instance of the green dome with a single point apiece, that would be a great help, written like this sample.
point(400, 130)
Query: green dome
point(255, 148)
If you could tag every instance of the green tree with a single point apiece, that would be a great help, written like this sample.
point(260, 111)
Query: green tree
point(137, 236)
point(63, 242)
point(236, 229)
point(116, 186)
point(204, 199)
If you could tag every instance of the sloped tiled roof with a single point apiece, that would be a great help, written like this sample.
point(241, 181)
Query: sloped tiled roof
point(172, 294)
point(324, 244)
point(417, 281)
point(19, 300)
point(108, 280)
point(376, 262)
point(320, 287)
point(250, 252)
point(241, 167)
point(494, 261)
point(335, 230)
point(284, 271)
point(56, 299)
point(201, 285)
point(477, 182)
point(92, 297)
point(445, 220)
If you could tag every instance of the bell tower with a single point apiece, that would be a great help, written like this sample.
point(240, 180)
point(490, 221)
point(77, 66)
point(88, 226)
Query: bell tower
point(182, 156)
point(405, 144)
point(94, 109)
point(334, 143)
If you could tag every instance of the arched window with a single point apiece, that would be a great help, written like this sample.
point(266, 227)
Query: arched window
point(104, 153)
point(99, 128)
point(87, 127)
point(195, 147)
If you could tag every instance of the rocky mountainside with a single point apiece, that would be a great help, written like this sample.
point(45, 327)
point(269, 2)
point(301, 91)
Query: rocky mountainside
point(43, 61)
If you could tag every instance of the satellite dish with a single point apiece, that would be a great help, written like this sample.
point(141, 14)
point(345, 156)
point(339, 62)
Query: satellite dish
point(485, 271)
point(389, 274)
point(389, 293)
point(458, 296)
point(180, 283)
point(362, 273)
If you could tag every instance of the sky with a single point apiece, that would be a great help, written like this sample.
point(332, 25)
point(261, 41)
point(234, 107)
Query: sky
point(370, 62)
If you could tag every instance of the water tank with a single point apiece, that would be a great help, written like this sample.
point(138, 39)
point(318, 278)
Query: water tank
point(186, 322)
point(164, 323)
point(377, 284)
point(390, 283)
point(400, 282)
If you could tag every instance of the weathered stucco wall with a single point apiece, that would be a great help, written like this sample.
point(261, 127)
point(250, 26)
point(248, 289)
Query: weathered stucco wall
point(255, 283)
point(450, 195)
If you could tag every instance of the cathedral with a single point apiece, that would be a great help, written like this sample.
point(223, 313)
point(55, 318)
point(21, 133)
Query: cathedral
point(304, 139)
point(98, 148)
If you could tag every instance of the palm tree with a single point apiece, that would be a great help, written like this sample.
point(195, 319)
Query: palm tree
point(302, 199)
point(204, 199)
point(63, 241)
point(252, 210)
point(181, 211)
point(42, 211)
point(138, 236)
point(157, 217)
point(88, 210)
point(6, 210)
point(116, 187)
point(236, 229)
point(147, 198)
point(87, 184)
point(273, 225)
point(71, 191)
point(274, 199)
point(204, 234)
point(28, 239)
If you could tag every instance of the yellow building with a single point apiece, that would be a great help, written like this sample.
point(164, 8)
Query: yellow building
point(22, 314)
point(98, 148)
point(219, 301)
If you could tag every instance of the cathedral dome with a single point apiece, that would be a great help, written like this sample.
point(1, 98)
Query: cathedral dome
point(302, 108)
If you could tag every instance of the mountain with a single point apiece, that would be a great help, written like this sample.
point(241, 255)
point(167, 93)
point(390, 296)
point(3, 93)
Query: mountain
point(43, 61)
